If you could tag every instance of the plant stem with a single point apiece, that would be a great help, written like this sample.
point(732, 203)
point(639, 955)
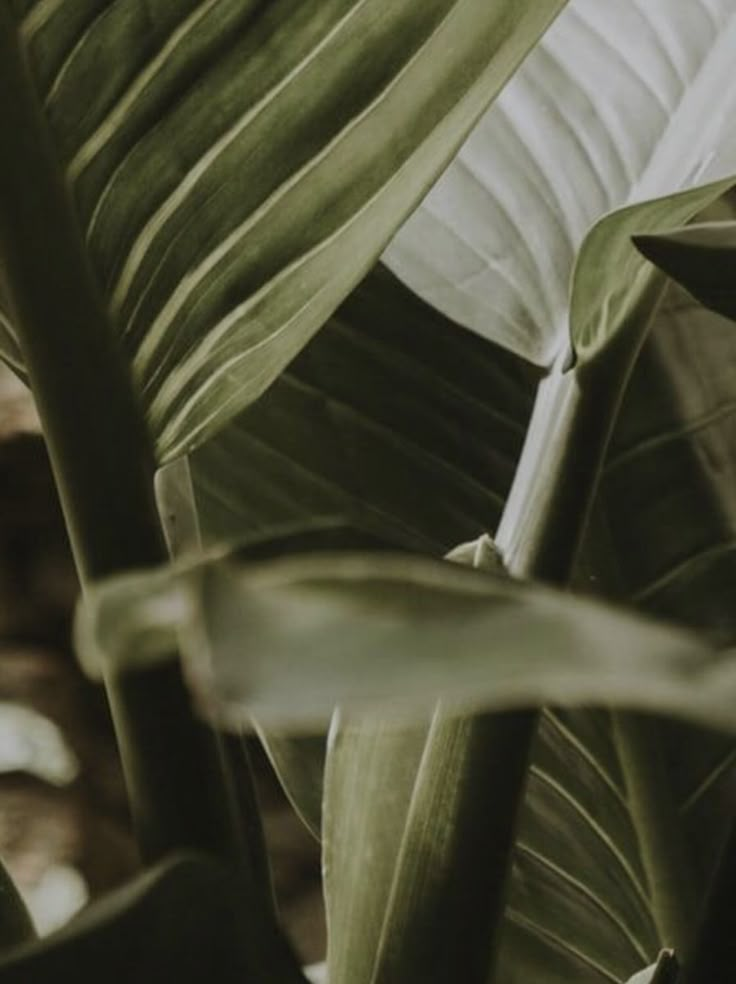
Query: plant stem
point(103, 463)
point(540, 531)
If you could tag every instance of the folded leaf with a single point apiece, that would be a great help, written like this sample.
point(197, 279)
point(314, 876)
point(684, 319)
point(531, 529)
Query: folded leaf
point(702, 258)
point(246, 161)
point(613, 109)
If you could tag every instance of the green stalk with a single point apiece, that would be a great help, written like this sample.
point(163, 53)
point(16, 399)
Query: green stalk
point(179, 788)
point(538, 537)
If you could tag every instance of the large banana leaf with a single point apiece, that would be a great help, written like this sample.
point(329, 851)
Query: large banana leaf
point(618, 105)
point(238, 165)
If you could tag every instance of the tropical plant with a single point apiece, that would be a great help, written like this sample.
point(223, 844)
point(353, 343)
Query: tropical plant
point(518, 780)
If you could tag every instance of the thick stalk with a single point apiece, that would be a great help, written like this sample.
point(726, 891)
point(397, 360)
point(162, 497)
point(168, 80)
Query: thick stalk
point(103, 463)
point(488, 755)
point(538, 537)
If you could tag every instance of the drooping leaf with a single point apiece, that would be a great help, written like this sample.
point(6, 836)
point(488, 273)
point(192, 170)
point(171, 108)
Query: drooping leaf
point(243, 162)
point(182, 920)
point(702, 258)
point(606, 114)
point(417, 628)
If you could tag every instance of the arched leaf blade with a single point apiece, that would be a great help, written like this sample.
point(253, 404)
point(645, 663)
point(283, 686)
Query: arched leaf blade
point(245, 163)
point(606, 113)
point(702, 258)
point(419, 629)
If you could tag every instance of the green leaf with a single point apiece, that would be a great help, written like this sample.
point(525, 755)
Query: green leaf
point(419, 629)
point(181, 921)
point(702, 258)
point(390, 398)
point(246, 161)
point(614, 108)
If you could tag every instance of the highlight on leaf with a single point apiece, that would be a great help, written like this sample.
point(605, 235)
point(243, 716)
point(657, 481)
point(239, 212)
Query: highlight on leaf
point(394, 631)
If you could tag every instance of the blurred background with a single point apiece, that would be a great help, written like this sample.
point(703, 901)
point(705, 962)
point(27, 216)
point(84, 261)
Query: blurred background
point(64, 827)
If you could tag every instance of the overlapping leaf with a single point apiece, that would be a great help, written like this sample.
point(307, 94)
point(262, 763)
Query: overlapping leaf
point(238, 164)
point(392, 414)
point(617, 106)
point(418, 629)
point(702, 258)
